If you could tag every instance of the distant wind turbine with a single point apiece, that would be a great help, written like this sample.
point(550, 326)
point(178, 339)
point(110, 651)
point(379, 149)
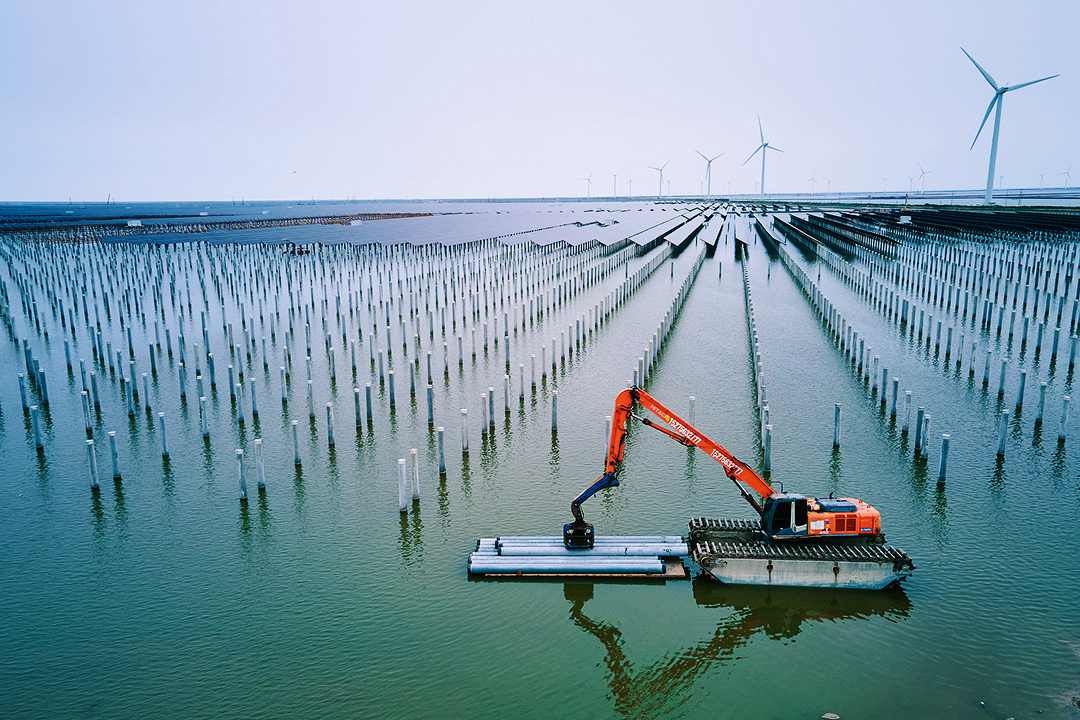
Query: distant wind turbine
point(1067, 174)
point(708, 170)
point(763, 148)
point(923, 172)
point(588, 185)
point(996, 101)
point(660, 170)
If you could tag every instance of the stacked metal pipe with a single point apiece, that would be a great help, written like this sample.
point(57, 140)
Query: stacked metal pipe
point(545, 555)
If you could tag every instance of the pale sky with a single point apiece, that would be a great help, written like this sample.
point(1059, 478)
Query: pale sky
point(276, 100)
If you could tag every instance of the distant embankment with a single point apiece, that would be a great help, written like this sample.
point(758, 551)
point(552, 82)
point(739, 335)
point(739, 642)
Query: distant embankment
point(120, 227)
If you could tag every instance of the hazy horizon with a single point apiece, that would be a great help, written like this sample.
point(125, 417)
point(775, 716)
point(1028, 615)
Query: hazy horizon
point(278, 102)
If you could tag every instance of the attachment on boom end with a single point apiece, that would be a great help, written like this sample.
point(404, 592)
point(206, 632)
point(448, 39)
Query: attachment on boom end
point(578, 535)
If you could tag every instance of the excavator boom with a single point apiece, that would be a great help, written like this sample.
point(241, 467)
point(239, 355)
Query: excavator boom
point(579, 533)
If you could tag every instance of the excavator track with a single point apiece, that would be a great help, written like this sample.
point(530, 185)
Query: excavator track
point(734, 551)
point(703, 528)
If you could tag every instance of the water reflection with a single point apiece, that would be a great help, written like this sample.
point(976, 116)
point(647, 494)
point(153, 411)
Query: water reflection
point(553, 456)
point(776, 613)
point(443, 499)
point(939, 515)
point(264, 510)
point(119, 508)
point(836, 469)
point(998, 477)
point(466, 476)
point(97, 513)
point(208, 461)
point(245, 524)
point(411, 535)
point(168, 477)
point(1059, 465)
point(691, 464)
point(41, 464)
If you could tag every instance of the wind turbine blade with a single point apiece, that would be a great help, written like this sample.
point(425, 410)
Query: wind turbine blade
point(753, 154)
point(989, 108)
point(980, 67)
point(714, 157)
point(665, 164)
point(1031, 82)
point(761, 130)
point(702, 155)
point(773, 147)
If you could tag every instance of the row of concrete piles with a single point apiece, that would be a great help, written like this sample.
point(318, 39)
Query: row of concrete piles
point(864, 365)
point(256, 306)
point(237, 397)
point(972, 286)
point(997, 282)
point(757, 369)
point(653, 349)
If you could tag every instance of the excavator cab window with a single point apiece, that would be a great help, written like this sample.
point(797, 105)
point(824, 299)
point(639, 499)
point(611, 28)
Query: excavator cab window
point(780, 519)
point(787, 516)
point(800, 513)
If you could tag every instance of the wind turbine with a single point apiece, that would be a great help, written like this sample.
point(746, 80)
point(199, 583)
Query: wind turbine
point(996, 101)
point(588, 185)
point(923, 172)
point(660, 170)
point(763, 148)
point(708, 170)
point(1067, 174)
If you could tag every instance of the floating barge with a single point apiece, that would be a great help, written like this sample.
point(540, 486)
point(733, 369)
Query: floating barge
point(656, 557)
point(734, 552)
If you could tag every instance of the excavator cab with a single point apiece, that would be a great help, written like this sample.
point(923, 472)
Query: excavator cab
point(785, 517)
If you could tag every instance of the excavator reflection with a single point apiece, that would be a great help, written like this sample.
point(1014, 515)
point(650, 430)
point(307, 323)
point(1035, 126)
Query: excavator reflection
point(776, 613)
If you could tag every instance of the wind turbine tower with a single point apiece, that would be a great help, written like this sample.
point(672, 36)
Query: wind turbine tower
point(763, 148)
point(708, 170)
point(660, 170)
point(995, 105)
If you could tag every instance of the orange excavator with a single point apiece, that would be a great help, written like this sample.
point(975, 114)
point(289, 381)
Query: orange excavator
point(784, 516)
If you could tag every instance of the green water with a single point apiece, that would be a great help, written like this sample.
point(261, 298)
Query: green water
point(163, 596)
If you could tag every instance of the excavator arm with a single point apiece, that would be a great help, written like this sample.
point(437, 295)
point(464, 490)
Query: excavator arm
point(579, 534)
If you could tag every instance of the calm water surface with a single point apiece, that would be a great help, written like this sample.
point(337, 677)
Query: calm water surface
point(164, 597)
